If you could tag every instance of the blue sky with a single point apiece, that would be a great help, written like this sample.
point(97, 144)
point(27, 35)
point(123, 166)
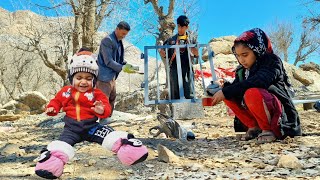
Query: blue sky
point(218, 18)
point(231, 17)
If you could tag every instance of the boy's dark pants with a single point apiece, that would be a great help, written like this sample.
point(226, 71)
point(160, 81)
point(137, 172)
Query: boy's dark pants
point(174, 83)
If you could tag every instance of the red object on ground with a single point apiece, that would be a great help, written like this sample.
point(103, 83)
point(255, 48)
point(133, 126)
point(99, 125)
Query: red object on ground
point(207, 101)
point(220, 73)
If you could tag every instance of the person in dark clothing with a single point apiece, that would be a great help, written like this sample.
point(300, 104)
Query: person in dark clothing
point(111, 61)
point(182, 37)
point(259, 95)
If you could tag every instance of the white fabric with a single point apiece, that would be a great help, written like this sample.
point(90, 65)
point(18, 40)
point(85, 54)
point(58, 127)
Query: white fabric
point(83, 63)
point(63, 147)
point(112, 137)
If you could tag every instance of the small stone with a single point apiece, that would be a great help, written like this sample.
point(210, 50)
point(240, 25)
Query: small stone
point(289, 161)
point(149, 165)
point(149, 117)
point(311, 172)
point(92, 162)
point(12, 149)
point(196, 167)
point(165, 155)
point(7, 129)
point(140, 119)
point(313, 154)
point(103, 157)
point(269, 168)
point(129, 171)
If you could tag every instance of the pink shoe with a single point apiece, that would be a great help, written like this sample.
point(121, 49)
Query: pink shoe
point(129, 150)
point(51, 166)
point(51, 162)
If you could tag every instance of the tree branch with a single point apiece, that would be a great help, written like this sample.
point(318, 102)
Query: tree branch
point(171, 8)
point(158, 10)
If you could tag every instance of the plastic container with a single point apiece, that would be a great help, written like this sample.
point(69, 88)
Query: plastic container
point(185, 134)
point(207, 101)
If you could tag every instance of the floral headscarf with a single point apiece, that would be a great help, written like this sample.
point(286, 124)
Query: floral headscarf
point(256, 40)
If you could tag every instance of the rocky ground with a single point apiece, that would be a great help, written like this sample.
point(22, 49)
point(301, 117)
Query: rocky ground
point(215, 154)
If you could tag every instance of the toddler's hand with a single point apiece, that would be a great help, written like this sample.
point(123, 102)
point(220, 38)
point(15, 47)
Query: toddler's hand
point(98, 107)
point(50, 110)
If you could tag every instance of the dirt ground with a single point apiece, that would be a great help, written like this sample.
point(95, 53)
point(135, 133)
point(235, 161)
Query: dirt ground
point(215, 154)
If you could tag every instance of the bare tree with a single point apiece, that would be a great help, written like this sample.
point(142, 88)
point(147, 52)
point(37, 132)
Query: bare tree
point(89, 15)
point(67, 33)
point(165, 20)
point(16, 69)
point(314, 17)
point(166, 23)
point(309, 43)
point(281, 38)
point(49, 39)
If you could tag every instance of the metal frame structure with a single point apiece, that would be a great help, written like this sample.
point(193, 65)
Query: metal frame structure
point(182, 99)
point(304, 101)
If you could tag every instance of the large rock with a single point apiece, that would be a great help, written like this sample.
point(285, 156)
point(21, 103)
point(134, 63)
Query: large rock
point(133, 103)
point(35, 100)
point(301, 76)
point(310, 67)
point(118, 116)
point(32, 102)
point(221, 45)
point(290, 68)
point(313, 76)
point(225, 61)
point(187, 110)
point(220, 60)
point(5, 16)
point(11, 105)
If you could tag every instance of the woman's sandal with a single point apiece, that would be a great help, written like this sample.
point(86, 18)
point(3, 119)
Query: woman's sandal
point(266, 137)
point(250, 134)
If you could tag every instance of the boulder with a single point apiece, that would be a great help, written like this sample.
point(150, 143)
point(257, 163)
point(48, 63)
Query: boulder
point(35, 100)
point(32, 102)
point(130, 102)
point(221, 45)
point(302, 76)
point(289, 161)
point(310, 67)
